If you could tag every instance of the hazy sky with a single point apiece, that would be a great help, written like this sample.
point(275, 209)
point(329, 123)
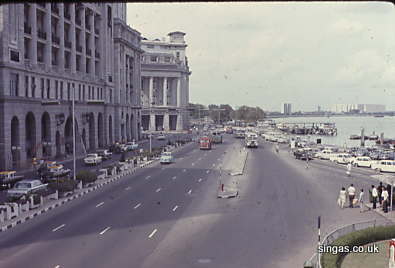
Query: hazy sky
point(263, 54)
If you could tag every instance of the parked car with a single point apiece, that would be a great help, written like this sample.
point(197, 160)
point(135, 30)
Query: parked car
point(384, 166)
point(341, 158)
point(362, 161)
point(104, 154)
point(25, 187)
point(92, 159)
point(161, 137)
point(130, 146)
point(56, 171)
point(166, 158)
point(325, 154)
point(8, 179)
point(303, 154)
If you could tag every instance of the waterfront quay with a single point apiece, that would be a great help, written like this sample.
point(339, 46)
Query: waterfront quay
point(315, 128)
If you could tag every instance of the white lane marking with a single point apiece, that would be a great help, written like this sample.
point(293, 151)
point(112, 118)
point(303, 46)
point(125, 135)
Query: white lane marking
point(213, 165)
point(147, 177)
point(200, 159)
point(190, 191)
point(105, 230)
point(157, 190)
point(57, 266)
point(100, 204)
point(193, 164)
point(208, 171)
point(174, 178)
point(174, 209)
point(184, 170)
point(136, 206)
point(199, 180)
point(58, 228)
point(128, 188)
point(219, 159)
point(152, 233)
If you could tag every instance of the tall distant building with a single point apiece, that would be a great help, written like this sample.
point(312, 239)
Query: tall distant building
point(286, 108)
point(362, 108)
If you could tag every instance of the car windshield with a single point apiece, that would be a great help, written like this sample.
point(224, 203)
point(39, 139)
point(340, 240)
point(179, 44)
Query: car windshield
point(23, 185)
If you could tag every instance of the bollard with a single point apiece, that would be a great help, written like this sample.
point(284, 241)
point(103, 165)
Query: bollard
point(222, 187)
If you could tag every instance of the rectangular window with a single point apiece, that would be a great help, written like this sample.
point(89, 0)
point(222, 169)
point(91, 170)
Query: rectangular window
point(56, 90)
point(150, 46)
point(61, 90)
point(27, 86)
point(14, 84)
point(89, 93)
point(79, 91)
point(48, 88)
point(42, 88)
point(110, 95)
point(167, 59)
point(83, 92)
point(68, 91)
point(101, 93)
point(73, 88)
point(154, 58)
point(14, 55)
point(33, 87)
point(98, 93)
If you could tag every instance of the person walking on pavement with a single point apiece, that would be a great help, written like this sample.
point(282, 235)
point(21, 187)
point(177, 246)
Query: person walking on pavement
point(361, 201)
point(277, 148)
point(389, 195)
point(374, 196)
point(307, 161)
point(384, 196)
point(348, 172)
point(351, 194)
point(380, 191)
point(342, 197)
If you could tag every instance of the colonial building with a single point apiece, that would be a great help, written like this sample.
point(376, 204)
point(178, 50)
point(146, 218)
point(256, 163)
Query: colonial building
point(51, 53)
point(165, 83)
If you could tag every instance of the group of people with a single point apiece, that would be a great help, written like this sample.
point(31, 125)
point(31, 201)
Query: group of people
point(377, 195)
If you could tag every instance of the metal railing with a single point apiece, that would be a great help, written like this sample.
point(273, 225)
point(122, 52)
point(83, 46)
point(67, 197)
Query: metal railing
point(339, 232)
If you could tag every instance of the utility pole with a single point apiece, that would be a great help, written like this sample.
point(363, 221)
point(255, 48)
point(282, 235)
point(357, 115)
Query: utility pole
point(73, 120)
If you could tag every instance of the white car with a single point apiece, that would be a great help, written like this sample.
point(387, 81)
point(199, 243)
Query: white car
point(341, 158)
point(384, 165)
point(362, 161)
point(161, 137)
point(92, 159)
point(25, 187)
point(325, 154)
point(166, 158)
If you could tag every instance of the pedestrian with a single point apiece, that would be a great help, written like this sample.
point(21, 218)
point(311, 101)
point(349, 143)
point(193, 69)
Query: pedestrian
point(384, 196)
point(351, 194)
point(277, 148)
point(341, 201)
point(380, 191)
point(360, 200)
point(389, 195)
point(307, 161)
point(348, 172)
point(374, 196)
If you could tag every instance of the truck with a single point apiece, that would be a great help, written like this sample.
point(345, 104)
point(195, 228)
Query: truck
point(166, 158)
point(8, 179)
point(205, 143)
point(216, 137)
point(25, 187)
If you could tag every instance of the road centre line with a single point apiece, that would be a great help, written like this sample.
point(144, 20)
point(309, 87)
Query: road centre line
point(190, 191)
point(174, 209)
point(100, 204)
point(157, 190)
point(57, 266)
point(174, 178)
point(153, 233)
point(58, 228)
point(184, 170)
point(208, 171)
point(149, 176)
point(136, 206)
point(128, 188)
point(199, 180)
point(105, 230)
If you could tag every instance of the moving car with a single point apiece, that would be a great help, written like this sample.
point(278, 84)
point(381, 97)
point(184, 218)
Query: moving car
point(92, 159)
point(205, 143)
point(25, 187)
point(166, 158)
point(216, 137)
point(325, 154)
point(104, 154)
point(362, 161)
point(384, 166)
point(161, 137)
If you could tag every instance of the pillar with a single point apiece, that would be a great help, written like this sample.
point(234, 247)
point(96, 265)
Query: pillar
point(83, 41)
point(178, 94)
point(151, 91)
point(166, 122)
point(48, 30)
point(165, 91)
point(33, 23)
point(152, 125)
point(179, 121)
point(61, 37)
point(73, 40)
point(92, 41)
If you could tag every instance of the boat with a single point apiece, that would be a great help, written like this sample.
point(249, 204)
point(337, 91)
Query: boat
point(378, 115)
point(373, 137)
point(355, 137)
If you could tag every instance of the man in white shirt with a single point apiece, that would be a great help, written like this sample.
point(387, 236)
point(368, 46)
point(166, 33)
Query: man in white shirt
point(360, 201)
point(375, 194)
point(351, 194)
point(384, 195)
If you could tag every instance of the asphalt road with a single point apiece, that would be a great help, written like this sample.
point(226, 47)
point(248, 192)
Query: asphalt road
point(169, 216)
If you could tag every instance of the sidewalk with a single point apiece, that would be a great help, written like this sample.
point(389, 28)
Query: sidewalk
point(390, 215)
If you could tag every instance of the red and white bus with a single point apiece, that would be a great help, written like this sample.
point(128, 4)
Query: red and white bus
point(205, 143)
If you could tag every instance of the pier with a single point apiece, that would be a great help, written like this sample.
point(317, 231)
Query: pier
point(317, 128)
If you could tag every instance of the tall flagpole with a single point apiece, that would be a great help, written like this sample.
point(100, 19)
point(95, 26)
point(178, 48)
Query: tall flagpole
point(74, 177)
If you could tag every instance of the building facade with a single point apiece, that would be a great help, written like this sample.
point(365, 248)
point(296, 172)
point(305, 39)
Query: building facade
point(286, 108)
point(360, 108)
point(51, 53)
point(165, 84)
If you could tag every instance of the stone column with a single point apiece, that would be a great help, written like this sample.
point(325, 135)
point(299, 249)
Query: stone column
point(92, 41)
point(165, 91)
point(48, 31)
point(179, 121)
point(33, 23)
point(73, 40)
point(151, 91)
point(178, 93)
point(61, 36)
point(152, 125)
point(166, 122)
point(83, 42)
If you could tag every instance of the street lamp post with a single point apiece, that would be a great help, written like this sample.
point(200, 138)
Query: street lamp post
point(73, 120)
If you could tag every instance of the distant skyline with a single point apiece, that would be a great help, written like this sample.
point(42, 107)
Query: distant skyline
point(264, 54)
